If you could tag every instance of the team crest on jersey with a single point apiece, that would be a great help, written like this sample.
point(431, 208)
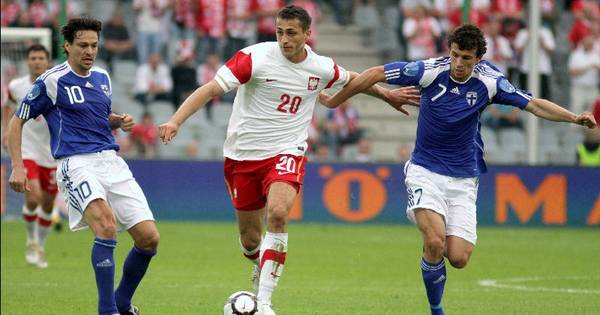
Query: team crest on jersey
point(35, 91)
point(471, 98)
point(105, 89)
point(313, 83)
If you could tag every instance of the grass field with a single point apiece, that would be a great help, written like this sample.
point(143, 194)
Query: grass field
point(331, 269)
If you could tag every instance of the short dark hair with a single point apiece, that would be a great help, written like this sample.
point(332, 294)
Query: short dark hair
point(38, 47)
point(468, 37)
point(82, 23)
point(291, 12)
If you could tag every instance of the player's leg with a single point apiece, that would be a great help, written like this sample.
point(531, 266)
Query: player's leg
point(48, 190)
point(427, 209)
point(146, 237)
point(31, 211)
point(250, 224)
point(280, 199)
point(99, 216)
point(433, 269)
point(461, 221)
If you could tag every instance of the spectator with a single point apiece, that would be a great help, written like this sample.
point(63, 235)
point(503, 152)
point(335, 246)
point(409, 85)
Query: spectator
point(206, 72)
point(367, 19)
point(588, 152)
point(586, 13)
point(450, 13)
point(421, 32)
point(39, 14)
point(144, 137)
point(150, 14)
point(183, 74)
point(584, 67)
point(266, 12)
point(546, 48)
point(507, 9)
point(499, 50)
point(321, 153)
point(239, 30)
point(153, 81)
point(117, 43)
point(502, 117)
point(342, 127)
point(210, 28)
point(364, 151)
point(184, 20)
point(10, 13)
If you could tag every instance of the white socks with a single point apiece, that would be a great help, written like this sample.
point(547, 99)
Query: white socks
point(273, 252)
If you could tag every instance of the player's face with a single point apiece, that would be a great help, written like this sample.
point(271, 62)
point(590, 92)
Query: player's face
point(82, 51)
point(291, 39)
point(38, 62)
point(462, 62)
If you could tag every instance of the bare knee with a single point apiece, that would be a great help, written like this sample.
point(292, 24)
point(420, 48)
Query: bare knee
point(104, 226)
point(277, 217)
point(434, 247)
point(250, 237)
point(149, 241)
point(459, 260)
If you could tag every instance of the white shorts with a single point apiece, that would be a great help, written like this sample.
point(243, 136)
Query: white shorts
point(452, 197)
point(103, 175)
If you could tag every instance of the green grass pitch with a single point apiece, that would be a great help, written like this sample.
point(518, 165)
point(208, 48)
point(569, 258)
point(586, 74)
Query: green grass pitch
point(330, 269)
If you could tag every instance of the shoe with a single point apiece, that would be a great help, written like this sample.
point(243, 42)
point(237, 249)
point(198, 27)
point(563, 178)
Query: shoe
point(133, 310)
point(266, 309)
point(31, 253)
point(42, 262)
point(255, 277)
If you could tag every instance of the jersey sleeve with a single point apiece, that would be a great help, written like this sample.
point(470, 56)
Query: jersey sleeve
point(235, 72)
point(339, 77)
point(509, 95)
point(404, 73)
point(35, 103)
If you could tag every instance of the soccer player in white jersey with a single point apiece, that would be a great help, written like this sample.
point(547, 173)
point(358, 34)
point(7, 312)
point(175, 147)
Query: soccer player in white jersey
point(442, 174)
point(39, 163)
point(278, 86)
point(75, 99)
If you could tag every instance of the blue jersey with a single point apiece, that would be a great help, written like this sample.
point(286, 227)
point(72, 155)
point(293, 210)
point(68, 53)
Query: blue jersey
point(448, 138)
point(76, 109)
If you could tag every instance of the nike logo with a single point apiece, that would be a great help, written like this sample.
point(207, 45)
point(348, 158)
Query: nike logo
point(271, 80)
point(284, 173)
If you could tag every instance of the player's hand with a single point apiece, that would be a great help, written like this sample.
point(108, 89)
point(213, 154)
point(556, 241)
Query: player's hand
point(18, 180)
point(324, 98)
point(408, 95)
point(586, 119)
point(168, 131)
point(127, 122)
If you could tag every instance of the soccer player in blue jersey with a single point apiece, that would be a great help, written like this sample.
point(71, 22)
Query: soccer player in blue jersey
point(75, 99)
point(442, 174)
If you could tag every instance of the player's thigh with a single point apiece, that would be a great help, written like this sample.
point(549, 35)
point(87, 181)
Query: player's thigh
point(129, 203)
point(461, 219)
point(244, 184)
point(283, 181)
point(430, 224)
point(282, 195)
point(99, 217)
point(458, 250)
point(33, 196)
point(425, 190)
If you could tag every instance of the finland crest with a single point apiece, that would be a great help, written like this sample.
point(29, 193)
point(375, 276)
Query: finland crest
point(471, 98)
point(105, 89)
point(313, 83)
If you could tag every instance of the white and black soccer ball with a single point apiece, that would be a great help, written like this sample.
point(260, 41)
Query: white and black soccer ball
point(241, 303)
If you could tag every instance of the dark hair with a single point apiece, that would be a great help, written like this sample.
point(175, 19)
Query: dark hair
point(291, 12)
point(38, 47)
point(82, 23)
point(468, 37)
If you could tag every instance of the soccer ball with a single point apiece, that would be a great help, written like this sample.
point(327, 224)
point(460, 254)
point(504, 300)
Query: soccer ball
point(241, 303)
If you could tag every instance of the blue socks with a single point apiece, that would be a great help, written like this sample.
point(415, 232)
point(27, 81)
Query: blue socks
point(103, 263)
point(135, 267)
point(434, 277)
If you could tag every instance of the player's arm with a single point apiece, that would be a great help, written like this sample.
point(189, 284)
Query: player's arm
point(123, 121)
point(358, 84)
point(550, 111)
point(192, 104)
point(18, 177)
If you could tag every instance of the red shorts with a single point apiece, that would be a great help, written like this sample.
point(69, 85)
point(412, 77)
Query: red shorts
point(248, 181)
point(46, 176)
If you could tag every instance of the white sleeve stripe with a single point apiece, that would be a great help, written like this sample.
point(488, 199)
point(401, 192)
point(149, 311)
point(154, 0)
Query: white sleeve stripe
point(24, 111)
point(527, 97)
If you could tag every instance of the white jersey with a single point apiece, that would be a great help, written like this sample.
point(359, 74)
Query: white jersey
point(35, 143)
point(274, 104)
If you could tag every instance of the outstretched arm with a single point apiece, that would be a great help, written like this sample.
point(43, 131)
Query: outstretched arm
point(192, 104)
point(550, 111)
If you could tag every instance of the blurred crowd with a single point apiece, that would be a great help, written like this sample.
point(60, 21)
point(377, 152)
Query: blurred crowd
point(178, 45)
